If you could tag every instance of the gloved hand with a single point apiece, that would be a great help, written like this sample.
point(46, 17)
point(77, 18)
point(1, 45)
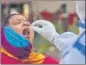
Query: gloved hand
point(45, 28)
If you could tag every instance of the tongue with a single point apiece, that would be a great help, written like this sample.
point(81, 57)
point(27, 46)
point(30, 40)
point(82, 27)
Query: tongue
point(26, 35)
point(25, 31)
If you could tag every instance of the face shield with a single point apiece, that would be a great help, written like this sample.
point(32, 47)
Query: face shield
point(80, 9)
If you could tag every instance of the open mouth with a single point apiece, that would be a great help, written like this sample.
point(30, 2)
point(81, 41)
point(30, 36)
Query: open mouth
point(26, 33)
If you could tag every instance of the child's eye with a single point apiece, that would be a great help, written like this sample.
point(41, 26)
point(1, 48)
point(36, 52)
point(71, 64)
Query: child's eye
point(18, 21)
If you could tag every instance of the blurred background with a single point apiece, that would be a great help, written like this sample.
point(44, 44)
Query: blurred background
point(61, 13)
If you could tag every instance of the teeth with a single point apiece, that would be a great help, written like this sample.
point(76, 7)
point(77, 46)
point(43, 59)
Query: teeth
point(26, 32)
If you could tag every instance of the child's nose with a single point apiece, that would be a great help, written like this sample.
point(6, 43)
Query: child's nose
point(27, 23)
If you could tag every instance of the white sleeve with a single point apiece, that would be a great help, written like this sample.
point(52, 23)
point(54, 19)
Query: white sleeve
point(64, 41)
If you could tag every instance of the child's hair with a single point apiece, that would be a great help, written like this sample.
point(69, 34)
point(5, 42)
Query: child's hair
point(6, 21)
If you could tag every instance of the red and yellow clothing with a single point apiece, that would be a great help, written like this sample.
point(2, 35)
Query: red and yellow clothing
point(34, 58)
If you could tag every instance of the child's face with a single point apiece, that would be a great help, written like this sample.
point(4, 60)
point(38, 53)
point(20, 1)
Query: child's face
point(21, 26)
